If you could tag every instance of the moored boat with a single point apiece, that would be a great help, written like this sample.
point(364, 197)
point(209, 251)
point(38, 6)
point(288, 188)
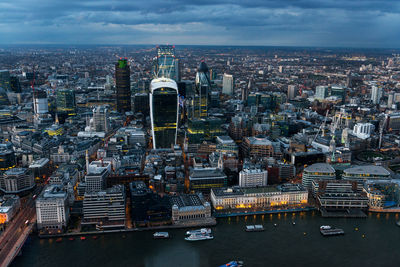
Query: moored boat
point(254, 228)
point(161, 235)
point(327, 230)
point(199, 231)
point(199, 237)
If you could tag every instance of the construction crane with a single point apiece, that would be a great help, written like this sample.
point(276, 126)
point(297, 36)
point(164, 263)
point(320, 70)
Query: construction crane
point(332, 145)
point(381, 131)
point(321, 127)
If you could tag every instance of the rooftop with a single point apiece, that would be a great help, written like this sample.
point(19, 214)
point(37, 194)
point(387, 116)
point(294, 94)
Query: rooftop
point(320, 167)
point(367, 169)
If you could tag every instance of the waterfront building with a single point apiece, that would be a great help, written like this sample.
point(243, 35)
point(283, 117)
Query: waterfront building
point(105, 208)
point(317, 171)
point(167, 65)
point(261, 198)
point(190, 209)
point(253, 178)
point(382, 195)
point(366, 172)
point(227, 84)
point(9, 206)
point(164, 112)
point(52, 208)
point(16, 180)
point(66, 105)
point(123, 85)
point(321, 92)
point(203, 179)
point(339, 195)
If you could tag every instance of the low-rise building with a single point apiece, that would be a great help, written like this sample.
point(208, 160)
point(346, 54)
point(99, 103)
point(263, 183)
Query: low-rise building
point(261, 198)
point(317, 171)
point(190, 210)
point(366, 172)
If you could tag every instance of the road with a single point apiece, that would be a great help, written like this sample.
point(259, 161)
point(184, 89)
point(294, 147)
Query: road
point(13, 236)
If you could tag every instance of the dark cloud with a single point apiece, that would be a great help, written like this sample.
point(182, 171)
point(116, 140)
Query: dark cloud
point(258, 22)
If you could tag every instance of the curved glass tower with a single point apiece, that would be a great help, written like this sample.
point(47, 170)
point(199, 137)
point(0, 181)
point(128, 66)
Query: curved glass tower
point(164, 106)
point(203, 88)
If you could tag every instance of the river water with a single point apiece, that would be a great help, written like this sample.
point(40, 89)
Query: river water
point(376, 243)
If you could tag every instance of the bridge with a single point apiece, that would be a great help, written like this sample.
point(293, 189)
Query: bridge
point(17, 232)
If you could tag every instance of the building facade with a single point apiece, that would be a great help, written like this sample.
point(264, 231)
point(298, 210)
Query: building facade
point(317, 171)
point(253, 178)
point(123, 85)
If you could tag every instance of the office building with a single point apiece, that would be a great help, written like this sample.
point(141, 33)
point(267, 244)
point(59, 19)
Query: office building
point(101, 119)
point(7, 159)
point(5, 80)
point(190, 209)
point(292, 92)
point(167, 65)
point(363, 130)
point(4, 101)
point(9, 206)
point(227, 84)
point(225, 144)
point(366, 172)
point(238, 199)
point(105, 208)
point(203, 89)
point(203, 179)
point(253, 178)
point(123, 85)
point(321, 92)
point(66, 105)
point(141, 103)
point(317, 171)
point(40, 103)
point(260, 146)
point(339, 91)
point(52, 209)
point(164, 112)
point(16, 180)
point(96, 181)
point(15, 84)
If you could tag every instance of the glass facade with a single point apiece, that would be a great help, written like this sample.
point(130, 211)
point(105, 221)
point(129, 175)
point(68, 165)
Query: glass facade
point(164, 116)
point(167, 64)
point(203, 88)
point(66, 102)
point(123, 85)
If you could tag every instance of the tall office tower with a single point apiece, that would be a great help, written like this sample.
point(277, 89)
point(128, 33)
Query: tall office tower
point(203, 89)
point(66, 102)
point(292, 92)
point(15, 85)
point(100, 119)
point(5, 80)
point(167, 65)
point(390, 99)
point(376, 94)
point(164, 111)
point(123, 85)
point(40, 103)
point(227, 84)
point(246, 90)
point(321, 92)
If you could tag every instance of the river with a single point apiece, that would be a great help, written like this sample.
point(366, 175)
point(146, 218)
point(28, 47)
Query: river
point(375, 243)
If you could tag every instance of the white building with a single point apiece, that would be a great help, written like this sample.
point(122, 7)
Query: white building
point(321, 92)
point(292, 92)
point(376, 94)
point(52, 208)
point(253, 178)
point(363, 130)
point(227, 84)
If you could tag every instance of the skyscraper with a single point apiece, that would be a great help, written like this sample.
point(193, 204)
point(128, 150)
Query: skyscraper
point(376, 94)
point(167, 65)
point(66, 102)
point(203, 89)
point(5, 80)
point(227, 84)
point(292, 92)
point(123, 85)
point(164, 107)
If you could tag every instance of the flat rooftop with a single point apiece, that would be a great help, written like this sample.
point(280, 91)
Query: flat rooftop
point(320, 167)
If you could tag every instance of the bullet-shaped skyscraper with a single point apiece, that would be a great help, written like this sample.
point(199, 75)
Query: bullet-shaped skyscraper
point(123, 85)
point(164, 111)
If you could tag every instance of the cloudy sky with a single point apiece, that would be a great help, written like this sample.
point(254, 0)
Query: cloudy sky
point(343, 23)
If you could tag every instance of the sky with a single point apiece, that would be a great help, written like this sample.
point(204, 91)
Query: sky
point(324, 23)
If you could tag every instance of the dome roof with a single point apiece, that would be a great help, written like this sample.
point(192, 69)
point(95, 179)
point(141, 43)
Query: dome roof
point(203, 67)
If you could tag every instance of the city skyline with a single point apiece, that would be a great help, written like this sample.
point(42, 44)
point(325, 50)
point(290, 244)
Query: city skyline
point(370, 24)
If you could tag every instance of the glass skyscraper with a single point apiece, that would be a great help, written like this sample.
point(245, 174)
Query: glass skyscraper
point(167, 65)
point(123, 85)
point(203, 89)
point(66, 102)
point(164, 109)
